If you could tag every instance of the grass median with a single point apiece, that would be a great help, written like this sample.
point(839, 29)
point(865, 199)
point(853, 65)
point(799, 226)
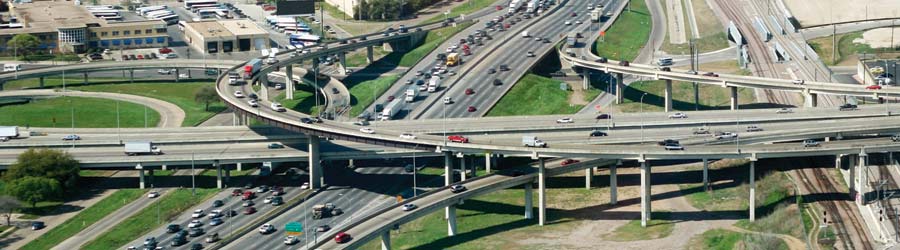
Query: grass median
point(432, 40)
point(88, 113)
point(464, 9)
point(84, 219)
point(181, 94)
point(629, 33)
point(170, 206)
point(303, 102)
point(535, 95)
point(711, 97)
point(364, 92)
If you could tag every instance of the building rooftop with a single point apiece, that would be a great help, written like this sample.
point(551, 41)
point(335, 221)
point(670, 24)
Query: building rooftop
point(210, 29)
point(242, 27)
point(48, 16)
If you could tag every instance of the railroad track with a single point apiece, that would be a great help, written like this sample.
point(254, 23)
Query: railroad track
point(843, 219)
point(889, 209)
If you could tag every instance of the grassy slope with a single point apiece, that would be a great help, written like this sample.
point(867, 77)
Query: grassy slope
point(534, 95)
point(364, 93)
point(657, 228)
point(463, 9)
point(89, 113)
point(627, 35)
point(712, 34)
point(711, 97)
point(180, 94)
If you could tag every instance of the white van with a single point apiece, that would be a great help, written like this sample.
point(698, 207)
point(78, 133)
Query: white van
point(525, 33)
point(665, 61)
point(12, 67)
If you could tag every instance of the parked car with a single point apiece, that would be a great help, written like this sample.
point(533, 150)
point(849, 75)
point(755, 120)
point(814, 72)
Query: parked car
point(810, 143)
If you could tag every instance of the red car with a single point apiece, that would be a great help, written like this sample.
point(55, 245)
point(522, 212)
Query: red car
point(458, 138)
point(470, 91)
point(269, 8)
point(248, 195)
point(390, 98)
point(873, 87)
point(471, 109)
point(713, 74)
point(499, 7)
point(250, 210)
point(342, 237)
point(574, 14)
point(237, 192)
point(165, 50)
point(569, 161)
point(140, 57)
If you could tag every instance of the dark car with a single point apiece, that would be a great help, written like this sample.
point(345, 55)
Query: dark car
point(546, 40)
point(623, 63)
point(603, 116)
point(196, 246)
point(306, 120)
point(602, 60)
point(335, 91)
point(237, 192)
point(713, 74)
point(491, 71)
point(96, 56)
point(178, 241)
point(253, 96)
point(218, 203)
point(667, 141)
point(504, 67)
point(847, 106)
point(37, 225)
point(471, 109)
point(173, 228)
point(666, 69)
point(275, 146)
point(598, 133)
point(250, 210)
point(196, 232)
point(497, 82)
point(132, 57)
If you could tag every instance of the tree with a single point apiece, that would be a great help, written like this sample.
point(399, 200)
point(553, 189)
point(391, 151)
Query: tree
point(49, 163)
point(34, 189)
point(23, 43)
point(8, 204)
point(206, 94)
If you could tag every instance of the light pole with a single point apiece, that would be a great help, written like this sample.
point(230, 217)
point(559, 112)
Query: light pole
point(118, 125)
point(157, 206)
point(415, 193)
point(642, 117)
point(73, 123)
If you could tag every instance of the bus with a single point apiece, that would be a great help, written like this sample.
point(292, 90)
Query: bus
point(181, 25)
point(199, 7)
point(222, 14)
point(144, 10)
point(304, 39)
point(295, 30)
point(99, 7)
point(190, 3)
point(572, 38)
point(211, 13)
point(159, 13)
point(170, 19)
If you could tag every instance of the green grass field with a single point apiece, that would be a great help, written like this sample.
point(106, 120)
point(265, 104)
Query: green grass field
point(170, 206)
point(88, 112)
point(431, 42)
point(657, 228)
point(847, 48)
point(721, 239)
point(464, 9)
point(180, 94)
point(363, 93)
point(711, 97)
point(535, 95)
point(626, 37)
point(84, 219)
point(303, 102)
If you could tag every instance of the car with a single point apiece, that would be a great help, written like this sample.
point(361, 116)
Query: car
point(471, 109)
point(173, 228)
point(458, 138)
point(469, 91)
point(323, 228)
point(195, 223)
point(546, 40)
point(568, 23)
point(216, 213)
point(701, 131)
point(253, 103)
point(275, 145)
point(151, 241)
point(212, 238)
point(678, 115)
point(198, 213)
point(140, 57)
point(305, 185)
point(178, 241)
point(573, 14)
point(37, 225)
point(665, 69)
point(491, 71)
point(196, 246)
point(164, 71)
point(497, 82)
point(895, 138)
point(342, 237)
point(277, 191)
point(798, 82)
point(873, 87)
point(596, 133)
point(673, 146)
point(367, 130)
point(253, 96)
point(181, 233)
point(419, 73)
point(457, 188)
point(784, 111)
point(503, 67)
point(165, 50)
point(216, 222)
point(712, 74)
point(250, 210)
point(623, 63)
point(290, 240)
point(277, 107)
point(239, 94)
point(390, 98)
point(194, 232)
point(726, 135)
point(277, 200)
point(279, 86)
point(567, 162)
point(266, 228)
point(262, 189)
point(237, 192)
point(603, 116)
point(753, 128)
point(529, 54)
point(667, 141)
point(152, 194)
point(565, 120)
point(847, 106)
point(267, 200)
point(810, 143)
point(577, 21)
point(407, 136)
point(71, 138)
point(409, 207)
point(248, 203)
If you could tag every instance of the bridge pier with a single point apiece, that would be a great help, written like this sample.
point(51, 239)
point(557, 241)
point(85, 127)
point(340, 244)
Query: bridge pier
point(668, 100)
point(487, 163)
point(753, 189)
point(370, 54)
point(862, 177)
point(41, 80)
point(1, 85)
point(734, 98)
point(451, 220)
point(85, 78)
point(140, 170)
point(529, 204)
point(342, 62)
point(227, 175)
point(620, 88)
point(315, 167)
point(811, 100)
point(587, 80)
point(588, 177)
point(645, 191)
point(838, 161)
point(131, 77)
point(176, 75)
point(218, 174)
point(613, 193)
point(462, 167)
point(289, 82)
point(150, 173)
point(239, 166)
point(448, 178)
point(542, 196)
point(386, 240)
point(705, 174)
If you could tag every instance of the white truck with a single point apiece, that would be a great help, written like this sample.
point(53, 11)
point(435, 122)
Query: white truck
point(434, 84)
point(595, 15)
point(533, 141)
point(391, 109)
point(514, 5)
point(411, 94)
point(141, 148)
point(8, 132)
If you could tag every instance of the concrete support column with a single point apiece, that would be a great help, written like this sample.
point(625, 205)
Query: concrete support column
point(752, 189)
point(227, 175)
point(587, 80)
point(542, 196)
point(386, 240)
point(41, 82)
point(451, 220)
point(462, 168)
point(668, 96)
point(705, 174)
point(289, 82)
point(131, 75)
point(734, 98)
point(1, 84)
point(141, 177)
point(529, 205)
point(150, 173)
point(176, 74)
point(239, 166)
point(620, 88)
point(588, 177)
point(852, 166)
point(264, 81)
point(342, 62)
point(165, 167)
point(370, 54)
point(315, 169)
point(350, 164)
point(613, 185)
point(487, 163)
point(218, 175)
point(85, 77)
point(448, 178)
point(645, 192)
point(863, 178)
point(811, 100)
point(837, 161)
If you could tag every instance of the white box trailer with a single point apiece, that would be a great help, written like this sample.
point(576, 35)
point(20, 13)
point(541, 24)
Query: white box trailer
point(8, 132)
point(393, 108)
point(140, 148)
point(434, 84)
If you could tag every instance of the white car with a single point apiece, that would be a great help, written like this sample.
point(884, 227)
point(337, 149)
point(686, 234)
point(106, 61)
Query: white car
point(277, 107)
point(577, 21)
point(195, 223)
point(239, 94)
point(197, 213)
point(253, 103)
point(568, 23)
point(164, 71)
point(290, 240)
point(450, 49)
point(305, 185)
point(565, 120)
point(267, 200)
point(407, 136)
point(183, 76)
point(726, 135)
point(448, 100)
point(678, 115)
point(266, 228)
point(367, 130)
point(279, 86)
point(409, 207)
point(784, 111)
point(152, 194)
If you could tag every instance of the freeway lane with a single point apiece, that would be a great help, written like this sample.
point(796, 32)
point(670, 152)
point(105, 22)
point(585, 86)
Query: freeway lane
point(45, 137)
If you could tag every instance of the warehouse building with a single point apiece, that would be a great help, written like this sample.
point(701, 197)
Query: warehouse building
point(215, 36)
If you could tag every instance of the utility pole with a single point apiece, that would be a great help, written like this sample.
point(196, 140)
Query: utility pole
point(694, 64)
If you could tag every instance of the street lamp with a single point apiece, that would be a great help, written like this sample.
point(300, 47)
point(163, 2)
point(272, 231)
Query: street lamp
point(73, 122)
point(414, 174)
point(642, 117)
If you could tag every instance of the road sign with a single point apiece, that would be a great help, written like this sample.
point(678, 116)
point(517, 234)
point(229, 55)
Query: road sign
point(294, 227)
point(293, 233)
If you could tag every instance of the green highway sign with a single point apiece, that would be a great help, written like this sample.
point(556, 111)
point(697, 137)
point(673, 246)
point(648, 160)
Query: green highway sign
point(293, 227)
